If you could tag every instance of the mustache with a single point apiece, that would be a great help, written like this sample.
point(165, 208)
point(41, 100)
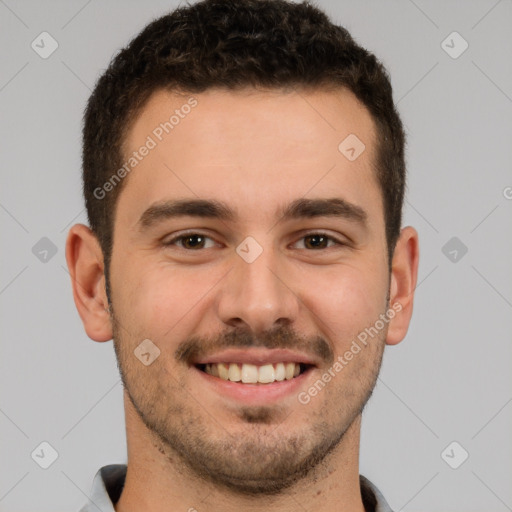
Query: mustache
point(282, 337)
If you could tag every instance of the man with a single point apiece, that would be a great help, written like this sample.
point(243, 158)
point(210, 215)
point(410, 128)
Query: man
point(244, 177)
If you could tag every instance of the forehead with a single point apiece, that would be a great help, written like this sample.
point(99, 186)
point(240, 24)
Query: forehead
point(250, 147)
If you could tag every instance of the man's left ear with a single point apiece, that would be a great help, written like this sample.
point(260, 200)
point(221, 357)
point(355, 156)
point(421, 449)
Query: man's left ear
point(404, 275)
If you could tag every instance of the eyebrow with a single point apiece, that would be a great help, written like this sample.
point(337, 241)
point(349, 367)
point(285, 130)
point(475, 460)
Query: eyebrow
point(212, 209)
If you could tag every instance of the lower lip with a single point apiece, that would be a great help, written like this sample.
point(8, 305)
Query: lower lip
point(255, 394)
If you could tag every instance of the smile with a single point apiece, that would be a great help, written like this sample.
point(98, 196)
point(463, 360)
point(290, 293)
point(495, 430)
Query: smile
point(254, 374)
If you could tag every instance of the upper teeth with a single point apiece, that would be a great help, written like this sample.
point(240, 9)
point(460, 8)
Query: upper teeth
point(252, 374)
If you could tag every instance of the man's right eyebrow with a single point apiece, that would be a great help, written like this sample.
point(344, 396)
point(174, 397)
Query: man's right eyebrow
point(185, 207)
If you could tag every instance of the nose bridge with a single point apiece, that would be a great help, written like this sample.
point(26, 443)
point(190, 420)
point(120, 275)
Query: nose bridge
point(256, 291)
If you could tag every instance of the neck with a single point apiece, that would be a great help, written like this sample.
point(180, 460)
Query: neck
point(157, 480)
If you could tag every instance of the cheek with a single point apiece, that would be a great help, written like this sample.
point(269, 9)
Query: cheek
point(345, 300)
point(160, 299)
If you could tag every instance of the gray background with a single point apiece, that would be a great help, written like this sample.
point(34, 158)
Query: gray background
point(450, 380)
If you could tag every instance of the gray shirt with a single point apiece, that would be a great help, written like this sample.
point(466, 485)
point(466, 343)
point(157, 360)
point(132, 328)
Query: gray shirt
point(109, 481)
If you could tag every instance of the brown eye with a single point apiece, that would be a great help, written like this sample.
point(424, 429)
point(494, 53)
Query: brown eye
point(191, 241)
point(318, 241)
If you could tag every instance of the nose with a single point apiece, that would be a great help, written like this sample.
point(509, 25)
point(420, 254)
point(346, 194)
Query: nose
point(258, 296)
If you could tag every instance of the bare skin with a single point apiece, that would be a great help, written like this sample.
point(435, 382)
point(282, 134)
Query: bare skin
point(194, 440)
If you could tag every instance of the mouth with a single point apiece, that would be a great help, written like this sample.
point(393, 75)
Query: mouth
point(247, 373)
point(255, 376)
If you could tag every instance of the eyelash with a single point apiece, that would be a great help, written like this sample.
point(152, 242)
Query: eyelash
point(183, 236)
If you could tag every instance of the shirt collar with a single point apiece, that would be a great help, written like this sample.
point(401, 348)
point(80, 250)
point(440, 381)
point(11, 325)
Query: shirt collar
point(109, 481)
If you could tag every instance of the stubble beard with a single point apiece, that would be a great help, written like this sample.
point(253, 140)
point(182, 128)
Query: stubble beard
point(258, 457)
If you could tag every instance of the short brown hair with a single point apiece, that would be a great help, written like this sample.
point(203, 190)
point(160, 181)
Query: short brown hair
point(234, 44)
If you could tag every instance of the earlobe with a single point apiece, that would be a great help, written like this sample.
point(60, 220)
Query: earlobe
point(404, 275)
point(85, 263)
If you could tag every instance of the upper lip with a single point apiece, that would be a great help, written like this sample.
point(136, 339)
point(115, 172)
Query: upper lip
point(257, 356)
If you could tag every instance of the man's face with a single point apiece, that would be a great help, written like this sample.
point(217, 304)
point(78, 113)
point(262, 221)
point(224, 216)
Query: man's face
point(255, 289)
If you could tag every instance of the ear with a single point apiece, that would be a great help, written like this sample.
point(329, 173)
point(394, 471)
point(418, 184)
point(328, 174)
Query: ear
point(85, 263)
point(404, 275)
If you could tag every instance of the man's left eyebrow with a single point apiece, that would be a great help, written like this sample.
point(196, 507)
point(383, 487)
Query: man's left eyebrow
point(324, 207)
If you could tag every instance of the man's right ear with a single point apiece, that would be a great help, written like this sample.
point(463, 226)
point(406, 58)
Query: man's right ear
point(86, 267)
